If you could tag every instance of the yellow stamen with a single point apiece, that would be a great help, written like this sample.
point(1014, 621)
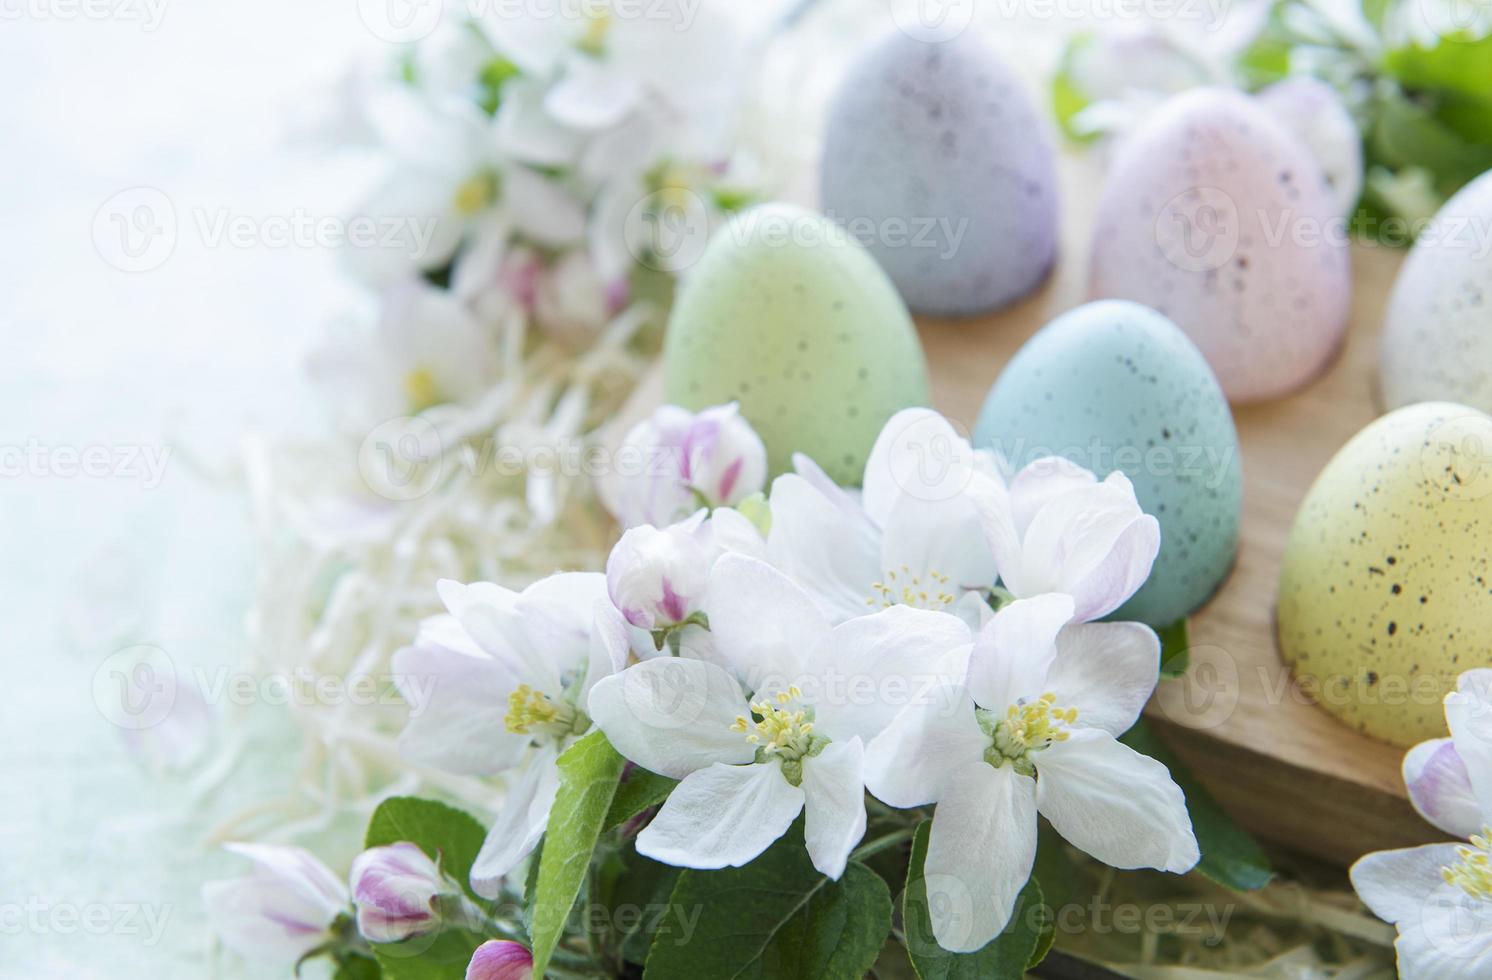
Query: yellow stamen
point(475, 194)
point(421, 389)
point(1473, 873)
point(532, 712)
point(597, 27)
point(909, 590)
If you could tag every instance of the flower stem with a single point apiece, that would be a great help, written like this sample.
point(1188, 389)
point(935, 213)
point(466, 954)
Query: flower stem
point(882, 843)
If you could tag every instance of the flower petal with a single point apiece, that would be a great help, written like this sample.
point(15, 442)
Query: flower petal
point(913, 761)
point(1107, 671)
point(833, 553)
point(1395, 884)
point(1119, 575)
point(875, 666)
point(672, 716)
point(834, 799)
point(457, 697)
point(501, 959)
point(1468, 713)
point(764, 624)
point(1014, 652)
point(1451, 936)
point(1440, 787)
point(723, 816)
point(1114, 803)
point(519, 825)
point(979, 854)
point(937, 537)
point(589, 98)
point(919, 454)
point(1039, 481)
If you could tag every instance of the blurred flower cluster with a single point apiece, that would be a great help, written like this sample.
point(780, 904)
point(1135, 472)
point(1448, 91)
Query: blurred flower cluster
point(538, 173)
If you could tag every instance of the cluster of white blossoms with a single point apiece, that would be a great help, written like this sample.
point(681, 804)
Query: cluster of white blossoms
point(1440, 895)
point(930, 639)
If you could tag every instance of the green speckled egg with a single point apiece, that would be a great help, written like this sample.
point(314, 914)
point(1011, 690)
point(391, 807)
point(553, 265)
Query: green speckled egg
point(1114, 385)
point(1386, 591)
point(794, 320)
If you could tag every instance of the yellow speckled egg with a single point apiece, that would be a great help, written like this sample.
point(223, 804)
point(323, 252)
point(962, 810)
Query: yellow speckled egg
point(1386, 591)
point(793, 318)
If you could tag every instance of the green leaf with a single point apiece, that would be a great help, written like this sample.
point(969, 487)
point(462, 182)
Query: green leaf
point(589, 771)
point(1458, 63)
point(357, 967)
point(639, 902)
point(638, 791)
point(1068, 99)
point(444, 956)
point(776, 917)
point(450, 836)
point(1009, 955)
point(1406, 134)
point(1230, 856)
point(1175, 649)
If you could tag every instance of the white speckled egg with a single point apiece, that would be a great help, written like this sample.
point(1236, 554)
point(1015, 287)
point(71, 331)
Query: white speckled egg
point(1437, 336)
point(1219, 218)
point(786, 315)
point(1386, 590)
point(936, 159)
point(1114, 385)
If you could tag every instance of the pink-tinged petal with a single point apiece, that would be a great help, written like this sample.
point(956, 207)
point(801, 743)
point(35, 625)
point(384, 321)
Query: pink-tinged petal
point(1107, 671)
point(979, 854)
point(724, 457)
point(395, 890)
point(1114, 803)
point(499, 959)
point(1110, 583)
point(834, 804)
point(1468, 714)
point(657, 578)
point(1440, 787)
point(1041, 480)
point(281, 910)
point(723, 816)
point(1013, 653)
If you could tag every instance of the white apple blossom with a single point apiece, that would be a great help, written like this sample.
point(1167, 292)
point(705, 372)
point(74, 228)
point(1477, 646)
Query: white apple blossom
point(1031, 729)
point(426, 349)
point(912, 537)
point(1439, 896)
point(282, 910)
point(512, 672)
point(1060, 529)
point(676, 461)
point(750, 764)
point(396, 890)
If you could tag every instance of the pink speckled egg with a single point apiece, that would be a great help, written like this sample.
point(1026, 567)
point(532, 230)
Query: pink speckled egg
point(1218, 217)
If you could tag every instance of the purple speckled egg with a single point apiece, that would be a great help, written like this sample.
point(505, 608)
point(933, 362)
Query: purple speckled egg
point(1218, 217)
point(936, 159)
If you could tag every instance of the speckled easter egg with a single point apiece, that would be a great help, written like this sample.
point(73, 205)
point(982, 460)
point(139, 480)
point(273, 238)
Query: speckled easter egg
point(936, 159)
point(787, 315)
point(1115, 385)
point(1215, 215)
point(1437, 336)
point(1386, 590)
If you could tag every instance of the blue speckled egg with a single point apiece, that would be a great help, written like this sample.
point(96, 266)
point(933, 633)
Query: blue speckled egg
point(937, 160)
point(1115, 385)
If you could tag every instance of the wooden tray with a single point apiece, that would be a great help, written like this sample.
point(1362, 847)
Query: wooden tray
point(1284, 767)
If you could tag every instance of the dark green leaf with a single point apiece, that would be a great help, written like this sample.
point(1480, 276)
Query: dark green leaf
point(776, 918)
point(1023, 943)
point(639, 790)
point(357, 967)
point(1230, 856)
point(639, 901)
point(589, 771)
point(1175, 649)
point(447, 834)
point(436, 957)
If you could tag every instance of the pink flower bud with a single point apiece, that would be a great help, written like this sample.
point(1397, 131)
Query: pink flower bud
point(281, 910)
point(657, 577)
point(395, 889)
point(499, 959)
